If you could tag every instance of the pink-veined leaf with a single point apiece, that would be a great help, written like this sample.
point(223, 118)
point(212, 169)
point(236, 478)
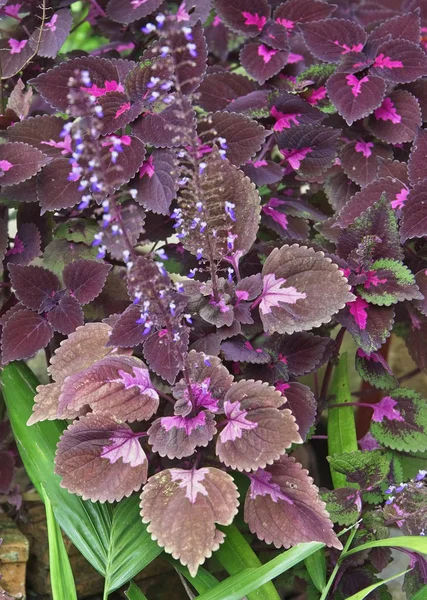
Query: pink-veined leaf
point(400, 61)
point(354, 97)
point(26, 245)
point(54, 34)
point(54, 189)
point(397, 119)
point(244, 16)
point(19, 162)
point(164, 351)
point(359, 161)
point(331, 39)
point(128, 11)
point(416, 164)
point(262, 62)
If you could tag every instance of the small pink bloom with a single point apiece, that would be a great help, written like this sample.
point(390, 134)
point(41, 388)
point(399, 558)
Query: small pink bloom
point(294, 156)
point(254, 19)
point(286, 23)
point(265, 53)
point(5, 165)
point(237, 422)
point(359, 310)
point(191, 481)
point(274, 294)
point(147, 168)
point(387, 112)
point(316, 95)
point(356, 84)
point(15, 46)
point(123, 108)
point(364, 148)
point(283, 120)
point(385, 62)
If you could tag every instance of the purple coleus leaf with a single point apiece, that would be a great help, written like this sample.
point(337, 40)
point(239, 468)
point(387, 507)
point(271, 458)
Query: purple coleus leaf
point(399, 61)
point(99, 460)
point(416, 162)
point(414, 214)
point(41, 132)
point(390, 281)
point(374, 369)
point(201, 498)
point(283, 507)
point(302, 403)
point(405, 26)
point(128, 331)
point(129, 217)
point(26, 245)
point(116, 385)
point(325, 289)
point(66, 315)
point(164, 351)
point(359, 161)
point(218, 90)
point(24, 334)
point(49, 41)
point(19, 162)
point(331, 39)
point(85, 279)
point(157, 182)
point(262, 62)
point(131, 10)
point(397, 119)
point(308, 149)
point(33, 286)
point(369, 325)
point(355, 97)
point(301, 352)
point(289, 110)
point(421, 279)
point(239, 349)
point(399, 421)
point(244, 16)
point(289, 13)
point(54, 188)
point(255, 431)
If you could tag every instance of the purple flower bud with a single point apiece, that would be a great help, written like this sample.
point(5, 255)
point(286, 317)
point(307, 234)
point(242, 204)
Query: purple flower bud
point(199, 206)
point(202, 167)
point(390, 489)
point(98, 111)
point(97, 239)
point(203, 226)
point(223, 143)
point(188, 318)
point(230, 271)
point(101, 252)
point(191, 273)
point(153, 82)
point(166, 86)
point(192, 48)
point(149, 28)
point(199, 254)
point(229, 210)
point(162, 254)
point(188, 33)
point(420, 475)
point(160, 18)
point(207, 361)
point(164, 51)
point(390, 500)
point(148, 327)
point(401, 487)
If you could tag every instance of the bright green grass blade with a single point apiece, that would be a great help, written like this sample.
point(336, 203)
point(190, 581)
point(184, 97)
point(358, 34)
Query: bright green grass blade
point(341, 424)
point(111, 537)
point(316, 568)
point(134, 593)
point(61, 575)
point(417, 543)
point(421, 594)
point(235, 555)
point(363, 593)
point(245, 582)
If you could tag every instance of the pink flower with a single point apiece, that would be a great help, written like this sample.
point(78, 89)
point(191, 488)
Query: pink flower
point(274, 294)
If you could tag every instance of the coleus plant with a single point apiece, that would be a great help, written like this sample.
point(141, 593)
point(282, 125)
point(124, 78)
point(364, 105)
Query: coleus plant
point(200, 201)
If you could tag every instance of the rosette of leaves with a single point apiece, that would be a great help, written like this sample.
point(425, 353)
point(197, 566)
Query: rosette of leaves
point(246, 424)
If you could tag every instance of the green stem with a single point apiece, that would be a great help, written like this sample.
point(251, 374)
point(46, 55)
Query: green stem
point(337, 566)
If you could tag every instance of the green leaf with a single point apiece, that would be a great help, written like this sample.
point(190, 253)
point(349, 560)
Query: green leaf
point(112, 538)
point(367, 469)
point(235, 555)
point(343, 505)
point(245, 582)
point(134, 593)
point(61, 575)
point(316, 568)
point(341, 424)
point(421, 594)
point(202, 582)
point(363, 593)
point(399, 284)
point(416, 543)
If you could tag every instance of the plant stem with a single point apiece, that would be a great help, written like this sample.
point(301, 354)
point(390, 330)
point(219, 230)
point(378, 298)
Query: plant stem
point(337, 566)
point(329, 368)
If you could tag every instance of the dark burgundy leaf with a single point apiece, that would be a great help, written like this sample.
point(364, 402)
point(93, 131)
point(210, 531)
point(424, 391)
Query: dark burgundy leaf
point(275, 35)
point(201, 497)
point(66, 316)
point(283, 507)
point(243, 136)
point(218, 90)
point(117, 111)
point(393, 168)
point(406, 27)
point(132, 218)
point(290, 110)
point(262, 62)
point(157, 183)
point(302, 403)
point(416, 342)
point(370, 195)
point(100, 459)
point(397, 119)
point(54, 34)
point(54, 189)
point(126, 166)
point(197, 10)
point(128, 11)
point(371, 326)
point(419, 90)
point(161, 130)
point(85, 279)
point(126, 331)
point(263, 172)
point(400, 61)
point(354, 97)
point(244, 16)
point(53, 85)
point(33, 285)
point(26, 245)
point(24, 334)
point(19, 162)
point(308, 149)
point(241, 350)
point(14, 55)
point(331, 39)
point(339, 189)
point(417, 159)
point(374, 369)
point(414, 213)
point(302, 11)
point(421, 278)
point(42, 132)
point(252, 104)
point(302, 352)
point(359, 161)
point(164, 352)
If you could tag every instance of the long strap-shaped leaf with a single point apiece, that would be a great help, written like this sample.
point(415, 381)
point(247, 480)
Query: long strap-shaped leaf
point(113, 539)
point(341, 424)
point(61, 575)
